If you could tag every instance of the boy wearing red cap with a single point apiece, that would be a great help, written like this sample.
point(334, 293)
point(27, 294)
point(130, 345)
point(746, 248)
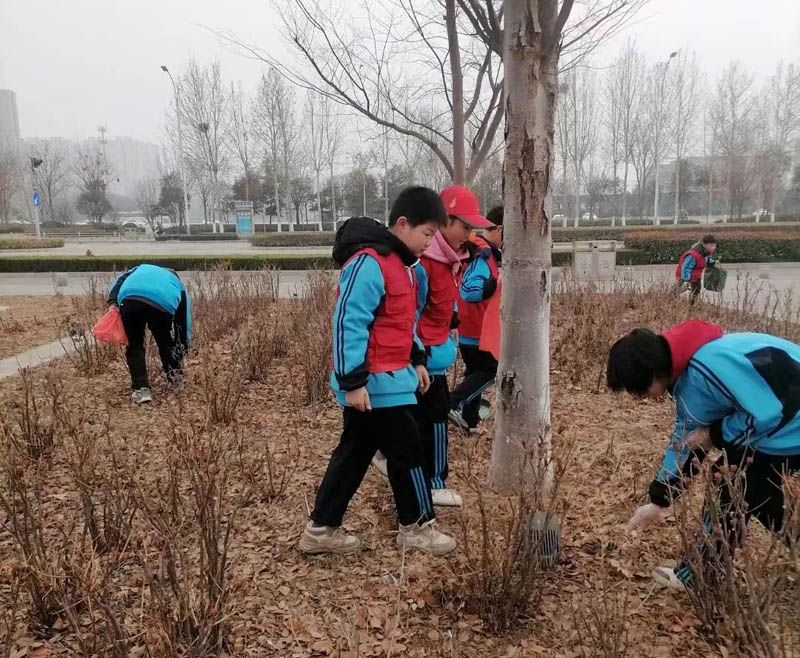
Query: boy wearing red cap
point(439, 276)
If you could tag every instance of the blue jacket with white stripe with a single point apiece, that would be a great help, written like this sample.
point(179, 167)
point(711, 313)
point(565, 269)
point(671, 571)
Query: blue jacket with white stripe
point(160, 287)
point(745, 387)
point(361, 291)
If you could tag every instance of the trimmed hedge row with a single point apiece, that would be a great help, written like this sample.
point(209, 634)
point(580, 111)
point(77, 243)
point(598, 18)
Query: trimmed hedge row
point(18, 264)
point(118, 263)
point(325, 238)
point(197, 237)
point(753, 249)
point(23, 243)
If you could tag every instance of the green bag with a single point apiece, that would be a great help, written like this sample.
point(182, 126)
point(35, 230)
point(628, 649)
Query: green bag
point(714, 279)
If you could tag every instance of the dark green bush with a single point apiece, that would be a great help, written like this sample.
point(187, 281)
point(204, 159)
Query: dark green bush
point(119, 263)
point(24, 243)
point(732, 250)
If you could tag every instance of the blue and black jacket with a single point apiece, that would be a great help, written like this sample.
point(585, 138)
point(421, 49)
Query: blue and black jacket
point(745, 387)
point(361, 291)
point(161, 288)
point(478, 284)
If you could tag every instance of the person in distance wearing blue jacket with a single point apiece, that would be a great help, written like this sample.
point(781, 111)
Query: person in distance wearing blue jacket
point(149, 296)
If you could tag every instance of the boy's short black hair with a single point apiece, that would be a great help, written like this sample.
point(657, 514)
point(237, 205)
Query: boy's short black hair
point(419, 205)
point(495, 215)
point(636, 360)
point(709, 239)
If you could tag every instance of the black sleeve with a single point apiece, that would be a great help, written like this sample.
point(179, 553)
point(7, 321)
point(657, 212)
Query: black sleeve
point(662, 493)
point(182, 321)
point(114, 292)
point(489, 287)
point(419, 357)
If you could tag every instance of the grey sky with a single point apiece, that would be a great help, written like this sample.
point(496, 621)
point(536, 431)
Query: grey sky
point(77, 63)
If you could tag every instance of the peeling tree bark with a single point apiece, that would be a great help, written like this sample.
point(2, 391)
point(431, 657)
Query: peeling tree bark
point(530, 59)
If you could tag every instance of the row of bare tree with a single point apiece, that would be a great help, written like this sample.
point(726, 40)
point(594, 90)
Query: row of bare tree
point(616, 130)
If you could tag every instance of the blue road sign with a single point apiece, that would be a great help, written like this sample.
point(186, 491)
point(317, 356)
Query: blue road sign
point(36, 198)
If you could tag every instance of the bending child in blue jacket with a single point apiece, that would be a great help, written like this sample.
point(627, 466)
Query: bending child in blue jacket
point(154, 297)
point(739, 393)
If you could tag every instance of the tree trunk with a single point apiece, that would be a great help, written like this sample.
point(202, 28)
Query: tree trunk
point(459, 167)
point(677, 187)
point(319, 202)
point(624, 191)
point(523, 376)
point(333, 195)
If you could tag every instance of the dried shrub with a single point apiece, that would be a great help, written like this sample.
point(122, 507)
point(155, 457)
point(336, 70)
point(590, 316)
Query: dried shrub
point(223, 300)
point(601, 620)
point(38, 563)
point(185, 567)
point(745, 596)
point(31, 425)
point(221, 386)
point(264, 338)
point(100, 476)
point(266, 472)
point(311, 324)
point(507, 554)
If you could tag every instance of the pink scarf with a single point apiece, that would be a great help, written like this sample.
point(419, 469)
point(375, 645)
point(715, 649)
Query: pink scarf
point(441, 251)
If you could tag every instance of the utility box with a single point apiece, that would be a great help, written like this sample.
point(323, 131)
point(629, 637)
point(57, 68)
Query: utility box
point(594, 260)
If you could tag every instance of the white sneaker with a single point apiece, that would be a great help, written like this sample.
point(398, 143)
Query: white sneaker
point(142, 395)
point(425, 538)
point(666, 576)
point(379, 464)
point(324, 539)
point(445, 498)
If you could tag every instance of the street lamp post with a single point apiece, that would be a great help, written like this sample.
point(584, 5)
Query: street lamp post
point(180, 148)
point(658, 133)
point(35, 162)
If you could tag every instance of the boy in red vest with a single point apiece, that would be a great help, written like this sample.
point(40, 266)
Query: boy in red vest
point(478, 286)
point(439, 275)
point(691, 264)
point(377, 370)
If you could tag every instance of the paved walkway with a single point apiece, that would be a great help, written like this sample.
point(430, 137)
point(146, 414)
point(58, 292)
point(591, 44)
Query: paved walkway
point(30, 358)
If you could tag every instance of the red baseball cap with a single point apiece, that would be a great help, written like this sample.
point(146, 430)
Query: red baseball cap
point(459, 201)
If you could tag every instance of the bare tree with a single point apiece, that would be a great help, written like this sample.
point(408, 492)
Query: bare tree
point(11, 180)
point(241, 129)
point(205, 108)
point(732, 115)
point(777, 128)
point(332, 139)
point(627, 74)
point(534, 35)
point(278, 132)
point(383, 67)
point(582, 126)
point(146, 193)
point(92, 171)
point(316, 144)
point(644, 137)
point(267, 128)
point(685, 98)
point(53, 176)
point(287, 125)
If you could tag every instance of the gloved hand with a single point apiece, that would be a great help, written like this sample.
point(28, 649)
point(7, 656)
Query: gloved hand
point(645, 515)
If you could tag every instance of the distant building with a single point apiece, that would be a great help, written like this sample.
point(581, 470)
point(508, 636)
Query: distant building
point(9, 118)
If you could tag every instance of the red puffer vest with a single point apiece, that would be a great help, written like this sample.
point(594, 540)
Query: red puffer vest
point(392, 332)
point(471, 314)
point(434, 323)
point(699, 265)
